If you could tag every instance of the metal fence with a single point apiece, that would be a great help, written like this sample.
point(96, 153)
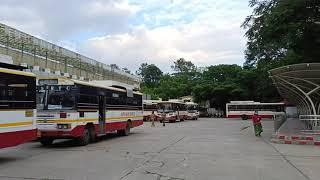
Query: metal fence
point(312, 122)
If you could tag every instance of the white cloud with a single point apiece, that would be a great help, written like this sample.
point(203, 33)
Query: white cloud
point(213, 36)
point(130, 32)
point(57, 20)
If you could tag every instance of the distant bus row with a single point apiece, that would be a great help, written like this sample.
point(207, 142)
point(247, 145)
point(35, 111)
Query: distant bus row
point(235, 109)
point(172, 110)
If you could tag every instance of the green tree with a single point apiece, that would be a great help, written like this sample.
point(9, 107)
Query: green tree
point(282, 32)
point(150, 74)
point(183, 66)
point(220, 84)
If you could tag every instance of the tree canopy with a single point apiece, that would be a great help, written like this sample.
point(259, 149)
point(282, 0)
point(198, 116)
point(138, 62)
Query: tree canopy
point(183, 66)
point(279, 32)
point(282, 32)
point(150, 74)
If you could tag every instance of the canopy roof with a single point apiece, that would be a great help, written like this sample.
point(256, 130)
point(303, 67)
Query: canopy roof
point(300, 85)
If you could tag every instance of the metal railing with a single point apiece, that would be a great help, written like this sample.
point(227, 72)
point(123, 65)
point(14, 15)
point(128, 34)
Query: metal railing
point(312, 122)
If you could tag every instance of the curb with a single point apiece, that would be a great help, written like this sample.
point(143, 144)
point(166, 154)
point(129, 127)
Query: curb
point(295, 137)
point(296, 142)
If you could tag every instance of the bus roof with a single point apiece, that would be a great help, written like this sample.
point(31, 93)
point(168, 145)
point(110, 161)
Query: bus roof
point(66, 81)
point(191, 103)
point(254, 103)
point(16, 72)
point(168, 102)
point(149, 102)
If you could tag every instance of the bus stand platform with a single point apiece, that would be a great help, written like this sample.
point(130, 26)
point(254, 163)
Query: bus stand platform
point(292, 132)
point(299, 84)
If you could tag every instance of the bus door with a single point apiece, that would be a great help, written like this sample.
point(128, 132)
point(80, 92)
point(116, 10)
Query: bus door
point(102, 114)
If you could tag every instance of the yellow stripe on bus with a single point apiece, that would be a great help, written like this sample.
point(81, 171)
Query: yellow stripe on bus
point(85, 120)
point(66, 120)
point(11, 71)
point(28, 123)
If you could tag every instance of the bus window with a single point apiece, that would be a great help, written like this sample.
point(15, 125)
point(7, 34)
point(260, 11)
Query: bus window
point(17, 92)
point(2, 90)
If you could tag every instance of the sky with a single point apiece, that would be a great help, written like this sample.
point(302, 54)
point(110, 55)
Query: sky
point(131, 32)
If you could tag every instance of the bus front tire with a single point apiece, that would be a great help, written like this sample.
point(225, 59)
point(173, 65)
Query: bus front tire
point(85, 138)
point(46, 141)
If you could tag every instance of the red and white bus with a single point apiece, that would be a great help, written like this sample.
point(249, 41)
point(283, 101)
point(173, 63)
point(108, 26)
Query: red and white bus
point(84, 110)
point(174, 110)
point(245, 109)
point(149, 106)
point(193, 111)
point(17, 106)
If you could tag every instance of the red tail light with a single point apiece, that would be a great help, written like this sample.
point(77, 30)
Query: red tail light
point(63, 115)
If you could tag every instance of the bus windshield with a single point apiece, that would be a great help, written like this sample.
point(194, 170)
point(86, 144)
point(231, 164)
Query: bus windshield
point(192, 109)
point(60, 100)
point(55, 97)
point(40, 99)
point(165, 108)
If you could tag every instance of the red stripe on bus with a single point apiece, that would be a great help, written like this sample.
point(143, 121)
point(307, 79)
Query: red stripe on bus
point(78, 131)
point(9, 139)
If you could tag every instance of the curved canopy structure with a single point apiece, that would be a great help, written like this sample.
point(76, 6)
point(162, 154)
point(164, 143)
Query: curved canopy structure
point(299, 84)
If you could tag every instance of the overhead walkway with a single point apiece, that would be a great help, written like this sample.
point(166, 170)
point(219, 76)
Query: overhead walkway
point(299, 84)
point(43, 57)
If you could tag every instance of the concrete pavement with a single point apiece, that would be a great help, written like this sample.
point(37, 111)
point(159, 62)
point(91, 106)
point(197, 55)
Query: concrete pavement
point(206, 149)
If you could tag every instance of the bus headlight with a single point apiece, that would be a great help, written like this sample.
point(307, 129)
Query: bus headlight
point(64, 126)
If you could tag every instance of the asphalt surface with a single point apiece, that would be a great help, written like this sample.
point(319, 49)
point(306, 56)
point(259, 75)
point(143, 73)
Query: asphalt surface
point(206, 149)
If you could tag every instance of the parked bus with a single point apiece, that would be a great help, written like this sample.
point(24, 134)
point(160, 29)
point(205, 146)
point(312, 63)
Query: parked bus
point(245, 109)
point(149, 106)
point(193, 111)
point(17, 106)
point(174, 111)
point(84, 110)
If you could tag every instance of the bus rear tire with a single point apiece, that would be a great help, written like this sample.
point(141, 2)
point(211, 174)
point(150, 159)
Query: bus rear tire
point(45, 141)
point(85, 138)
point(92, 133)
point(124, 132)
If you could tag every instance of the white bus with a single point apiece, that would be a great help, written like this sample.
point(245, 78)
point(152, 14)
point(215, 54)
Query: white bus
point(84, 110)
point(193, 111)
point(149, 106)
point(245, 109)
point(17, 106)
point(175, 111)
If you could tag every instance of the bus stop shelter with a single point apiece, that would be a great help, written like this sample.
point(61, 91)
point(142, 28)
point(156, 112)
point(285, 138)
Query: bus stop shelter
point(299, 84)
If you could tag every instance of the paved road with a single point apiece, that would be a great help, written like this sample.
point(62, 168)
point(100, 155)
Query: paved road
point(206, 149)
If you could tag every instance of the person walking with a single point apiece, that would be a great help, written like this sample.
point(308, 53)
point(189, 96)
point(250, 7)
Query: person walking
point(256, 120)
point(152, 118)
point(163, 118)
